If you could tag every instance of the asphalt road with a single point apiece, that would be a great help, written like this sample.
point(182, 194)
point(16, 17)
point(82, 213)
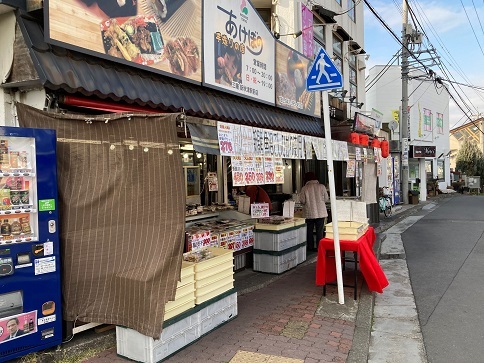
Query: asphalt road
point(445, 258)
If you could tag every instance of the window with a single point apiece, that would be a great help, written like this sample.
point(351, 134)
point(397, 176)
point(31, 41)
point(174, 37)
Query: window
point(318, 31)
point(338, 1)
point(338, 52)
point(440, 169)
point(353, 74)
point(351, 10)
point(265, 14)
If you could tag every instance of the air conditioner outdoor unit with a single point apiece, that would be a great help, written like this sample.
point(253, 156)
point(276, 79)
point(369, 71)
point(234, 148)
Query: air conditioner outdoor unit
point(395, 146)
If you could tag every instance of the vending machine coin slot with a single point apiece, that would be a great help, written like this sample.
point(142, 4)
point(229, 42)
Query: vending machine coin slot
point(52, 226)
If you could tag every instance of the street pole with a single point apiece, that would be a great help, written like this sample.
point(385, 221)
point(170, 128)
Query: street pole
point(332, 195)
point(405, 118)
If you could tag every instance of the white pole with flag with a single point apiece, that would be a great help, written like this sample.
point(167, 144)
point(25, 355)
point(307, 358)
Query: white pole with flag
point(332, 195)
point(324, 76)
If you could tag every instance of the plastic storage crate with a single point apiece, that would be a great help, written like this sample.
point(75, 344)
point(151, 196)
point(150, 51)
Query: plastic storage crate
point(178, 332)
point(276, 240)
point(278, 262)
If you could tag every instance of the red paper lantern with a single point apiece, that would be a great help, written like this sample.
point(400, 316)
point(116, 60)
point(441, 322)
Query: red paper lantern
point(354, 138)
point(375, 142)
point(385, 149)
point(364, 140)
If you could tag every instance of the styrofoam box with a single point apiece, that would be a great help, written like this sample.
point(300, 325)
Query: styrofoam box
point(139, 347)
point(270, 241)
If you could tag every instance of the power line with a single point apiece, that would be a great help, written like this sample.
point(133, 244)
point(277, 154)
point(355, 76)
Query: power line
point(382, 72)
point(475, 35)
point(477, 14)
point(442, 65)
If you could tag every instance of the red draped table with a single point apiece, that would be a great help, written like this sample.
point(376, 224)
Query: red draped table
point(370, 268)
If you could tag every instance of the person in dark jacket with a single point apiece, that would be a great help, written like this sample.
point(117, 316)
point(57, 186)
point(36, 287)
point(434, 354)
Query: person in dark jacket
point(13, 329)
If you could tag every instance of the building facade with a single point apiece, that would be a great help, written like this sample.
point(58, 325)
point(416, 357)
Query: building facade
point(429, 147)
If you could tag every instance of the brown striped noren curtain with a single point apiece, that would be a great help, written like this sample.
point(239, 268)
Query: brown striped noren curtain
point(122, 215)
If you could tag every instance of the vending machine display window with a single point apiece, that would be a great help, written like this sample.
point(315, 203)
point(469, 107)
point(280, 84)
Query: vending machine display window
point(18, 195)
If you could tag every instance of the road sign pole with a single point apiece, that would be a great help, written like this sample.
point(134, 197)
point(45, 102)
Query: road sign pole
point(332, 195)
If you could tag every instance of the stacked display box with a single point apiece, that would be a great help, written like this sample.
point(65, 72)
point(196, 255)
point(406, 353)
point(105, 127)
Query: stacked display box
point(185, 292)
point(279, 250)
point(179, 331)
point(349, 231)
point(214, 275)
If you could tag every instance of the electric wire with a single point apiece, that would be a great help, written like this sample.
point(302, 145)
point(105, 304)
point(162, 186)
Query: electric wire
point(441, 64)
point(475, 35)
point(382, 72)
point(477, 14)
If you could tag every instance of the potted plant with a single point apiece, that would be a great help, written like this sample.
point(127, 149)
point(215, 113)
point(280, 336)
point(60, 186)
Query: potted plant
point(413, 196)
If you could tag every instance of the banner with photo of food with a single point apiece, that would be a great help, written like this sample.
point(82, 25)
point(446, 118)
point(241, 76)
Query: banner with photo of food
point(159, 35)
point(291, 72)
point(238, 50)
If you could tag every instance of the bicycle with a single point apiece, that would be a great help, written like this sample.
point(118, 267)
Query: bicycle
point(385, 203)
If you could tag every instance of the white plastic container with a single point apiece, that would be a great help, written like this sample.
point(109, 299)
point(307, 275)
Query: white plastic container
point(198, 322)
point(276, 240)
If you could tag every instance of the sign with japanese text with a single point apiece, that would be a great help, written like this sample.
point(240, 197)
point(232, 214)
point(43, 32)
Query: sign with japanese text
point(259, 210)
point(247, 140)
point(269, 174)
point(291, 72)
point(228, 138)
point(308, 146)
point(212, 181)
point(307, 31)
point(249, 170)
point(350, 168)
point(146, 33)
point(365, 124)
point(238, 177)
point(238, 50)
point(279, 170)
point(273, 143)
point(259, 169)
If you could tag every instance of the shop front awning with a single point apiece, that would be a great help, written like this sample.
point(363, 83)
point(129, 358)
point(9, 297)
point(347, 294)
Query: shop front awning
point(75, 72)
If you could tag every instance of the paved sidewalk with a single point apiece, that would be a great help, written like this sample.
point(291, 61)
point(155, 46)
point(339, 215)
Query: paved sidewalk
point(282, 318)
point(289, 318)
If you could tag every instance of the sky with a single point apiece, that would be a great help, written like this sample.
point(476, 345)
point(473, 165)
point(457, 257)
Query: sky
point(455, 28)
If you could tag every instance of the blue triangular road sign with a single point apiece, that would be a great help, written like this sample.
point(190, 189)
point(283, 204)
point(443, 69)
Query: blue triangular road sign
point(324, 74)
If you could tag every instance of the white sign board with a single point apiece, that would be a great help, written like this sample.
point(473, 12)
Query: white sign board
point(238, 50)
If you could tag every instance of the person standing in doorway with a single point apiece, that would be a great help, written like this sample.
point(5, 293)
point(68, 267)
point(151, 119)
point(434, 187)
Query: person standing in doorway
point(313, 197)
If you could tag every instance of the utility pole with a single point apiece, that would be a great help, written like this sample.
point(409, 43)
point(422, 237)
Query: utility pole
point(404, 134)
